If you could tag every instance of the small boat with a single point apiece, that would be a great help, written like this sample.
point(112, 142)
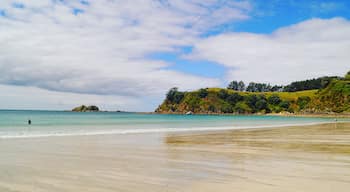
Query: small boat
point(189, 113)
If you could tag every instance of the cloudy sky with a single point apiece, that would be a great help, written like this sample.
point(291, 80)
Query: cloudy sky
point(125, 55)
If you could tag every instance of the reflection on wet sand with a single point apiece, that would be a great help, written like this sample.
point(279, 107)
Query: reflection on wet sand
point(310, 158)
point(305, 158)
point(329, 138)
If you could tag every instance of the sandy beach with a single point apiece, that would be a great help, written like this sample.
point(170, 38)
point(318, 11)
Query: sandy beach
point(305, 158)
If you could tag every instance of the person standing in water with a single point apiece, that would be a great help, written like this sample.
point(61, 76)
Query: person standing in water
point(29, 121)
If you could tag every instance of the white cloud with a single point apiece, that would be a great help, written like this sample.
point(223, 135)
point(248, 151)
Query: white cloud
point(305, 50)
point(102, 48)
point(98, 55)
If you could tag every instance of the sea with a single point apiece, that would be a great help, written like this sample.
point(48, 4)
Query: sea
point(14, 123)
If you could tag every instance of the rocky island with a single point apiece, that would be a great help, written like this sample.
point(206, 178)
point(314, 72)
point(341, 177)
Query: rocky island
point(83, 108)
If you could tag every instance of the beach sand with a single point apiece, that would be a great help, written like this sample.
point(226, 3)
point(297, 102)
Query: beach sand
point(305, 158)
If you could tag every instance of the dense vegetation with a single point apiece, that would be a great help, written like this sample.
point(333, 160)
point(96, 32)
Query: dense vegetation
point(215, 100)
point(328, 94)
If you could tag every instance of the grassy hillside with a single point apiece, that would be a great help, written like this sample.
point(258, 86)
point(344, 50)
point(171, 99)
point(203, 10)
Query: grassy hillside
point(284, 95)
point(333, 98)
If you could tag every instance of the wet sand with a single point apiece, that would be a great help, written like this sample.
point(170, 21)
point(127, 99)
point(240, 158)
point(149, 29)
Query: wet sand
point(306, 158)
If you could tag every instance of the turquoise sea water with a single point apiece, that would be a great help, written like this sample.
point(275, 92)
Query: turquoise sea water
point(13, 123)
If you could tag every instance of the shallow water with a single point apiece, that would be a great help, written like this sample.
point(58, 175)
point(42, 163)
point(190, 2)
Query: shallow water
point(13, 124)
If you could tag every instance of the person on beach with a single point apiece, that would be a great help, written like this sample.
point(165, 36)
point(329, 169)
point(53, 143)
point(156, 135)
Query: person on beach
point(29, 121)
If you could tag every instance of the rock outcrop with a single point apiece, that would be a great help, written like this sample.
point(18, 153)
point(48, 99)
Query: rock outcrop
point(83, 108)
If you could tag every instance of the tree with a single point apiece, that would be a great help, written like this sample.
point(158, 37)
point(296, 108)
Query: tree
point(284, 104)
point(251, 101)
point(276, 88)
point(233, 85)
point(223, 94)
point(258, 87)
point(234, 98)
point(174, 95)
point(251, 87)
point(203, 93)
point(193, 102)
point(303, 101)
point(274, 99)
point(257, 102)
point(171, 93)
point(261, 105)
point(226, 108)
point(241, 86)
point(242, 107)
point(178, 97)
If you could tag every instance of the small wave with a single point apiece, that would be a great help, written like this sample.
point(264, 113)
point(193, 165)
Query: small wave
point(150, 130)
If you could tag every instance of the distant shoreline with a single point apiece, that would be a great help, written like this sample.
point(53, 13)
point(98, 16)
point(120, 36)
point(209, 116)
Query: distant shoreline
point(335, 115)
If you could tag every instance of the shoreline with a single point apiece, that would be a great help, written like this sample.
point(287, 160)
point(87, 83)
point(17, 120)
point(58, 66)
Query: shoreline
point(198, 130)
point(330, 115)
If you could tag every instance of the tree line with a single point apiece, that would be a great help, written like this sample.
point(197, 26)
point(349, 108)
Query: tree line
point(316, 83)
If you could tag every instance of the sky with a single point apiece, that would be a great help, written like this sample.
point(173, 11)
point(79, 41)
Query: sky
point(125, 55)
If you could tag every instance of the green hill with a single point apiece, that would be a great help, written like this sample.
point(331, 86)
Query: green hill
point(333, 98)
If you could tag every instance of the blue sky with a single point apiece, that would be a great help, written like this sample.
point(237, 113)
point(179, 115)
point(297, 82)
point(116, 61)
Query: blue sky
point(284, 13)
point(126, 54)
point(271, 16)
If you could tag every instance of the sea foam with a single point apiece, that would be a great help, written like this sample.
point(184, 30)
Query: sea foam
point(145, 130)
